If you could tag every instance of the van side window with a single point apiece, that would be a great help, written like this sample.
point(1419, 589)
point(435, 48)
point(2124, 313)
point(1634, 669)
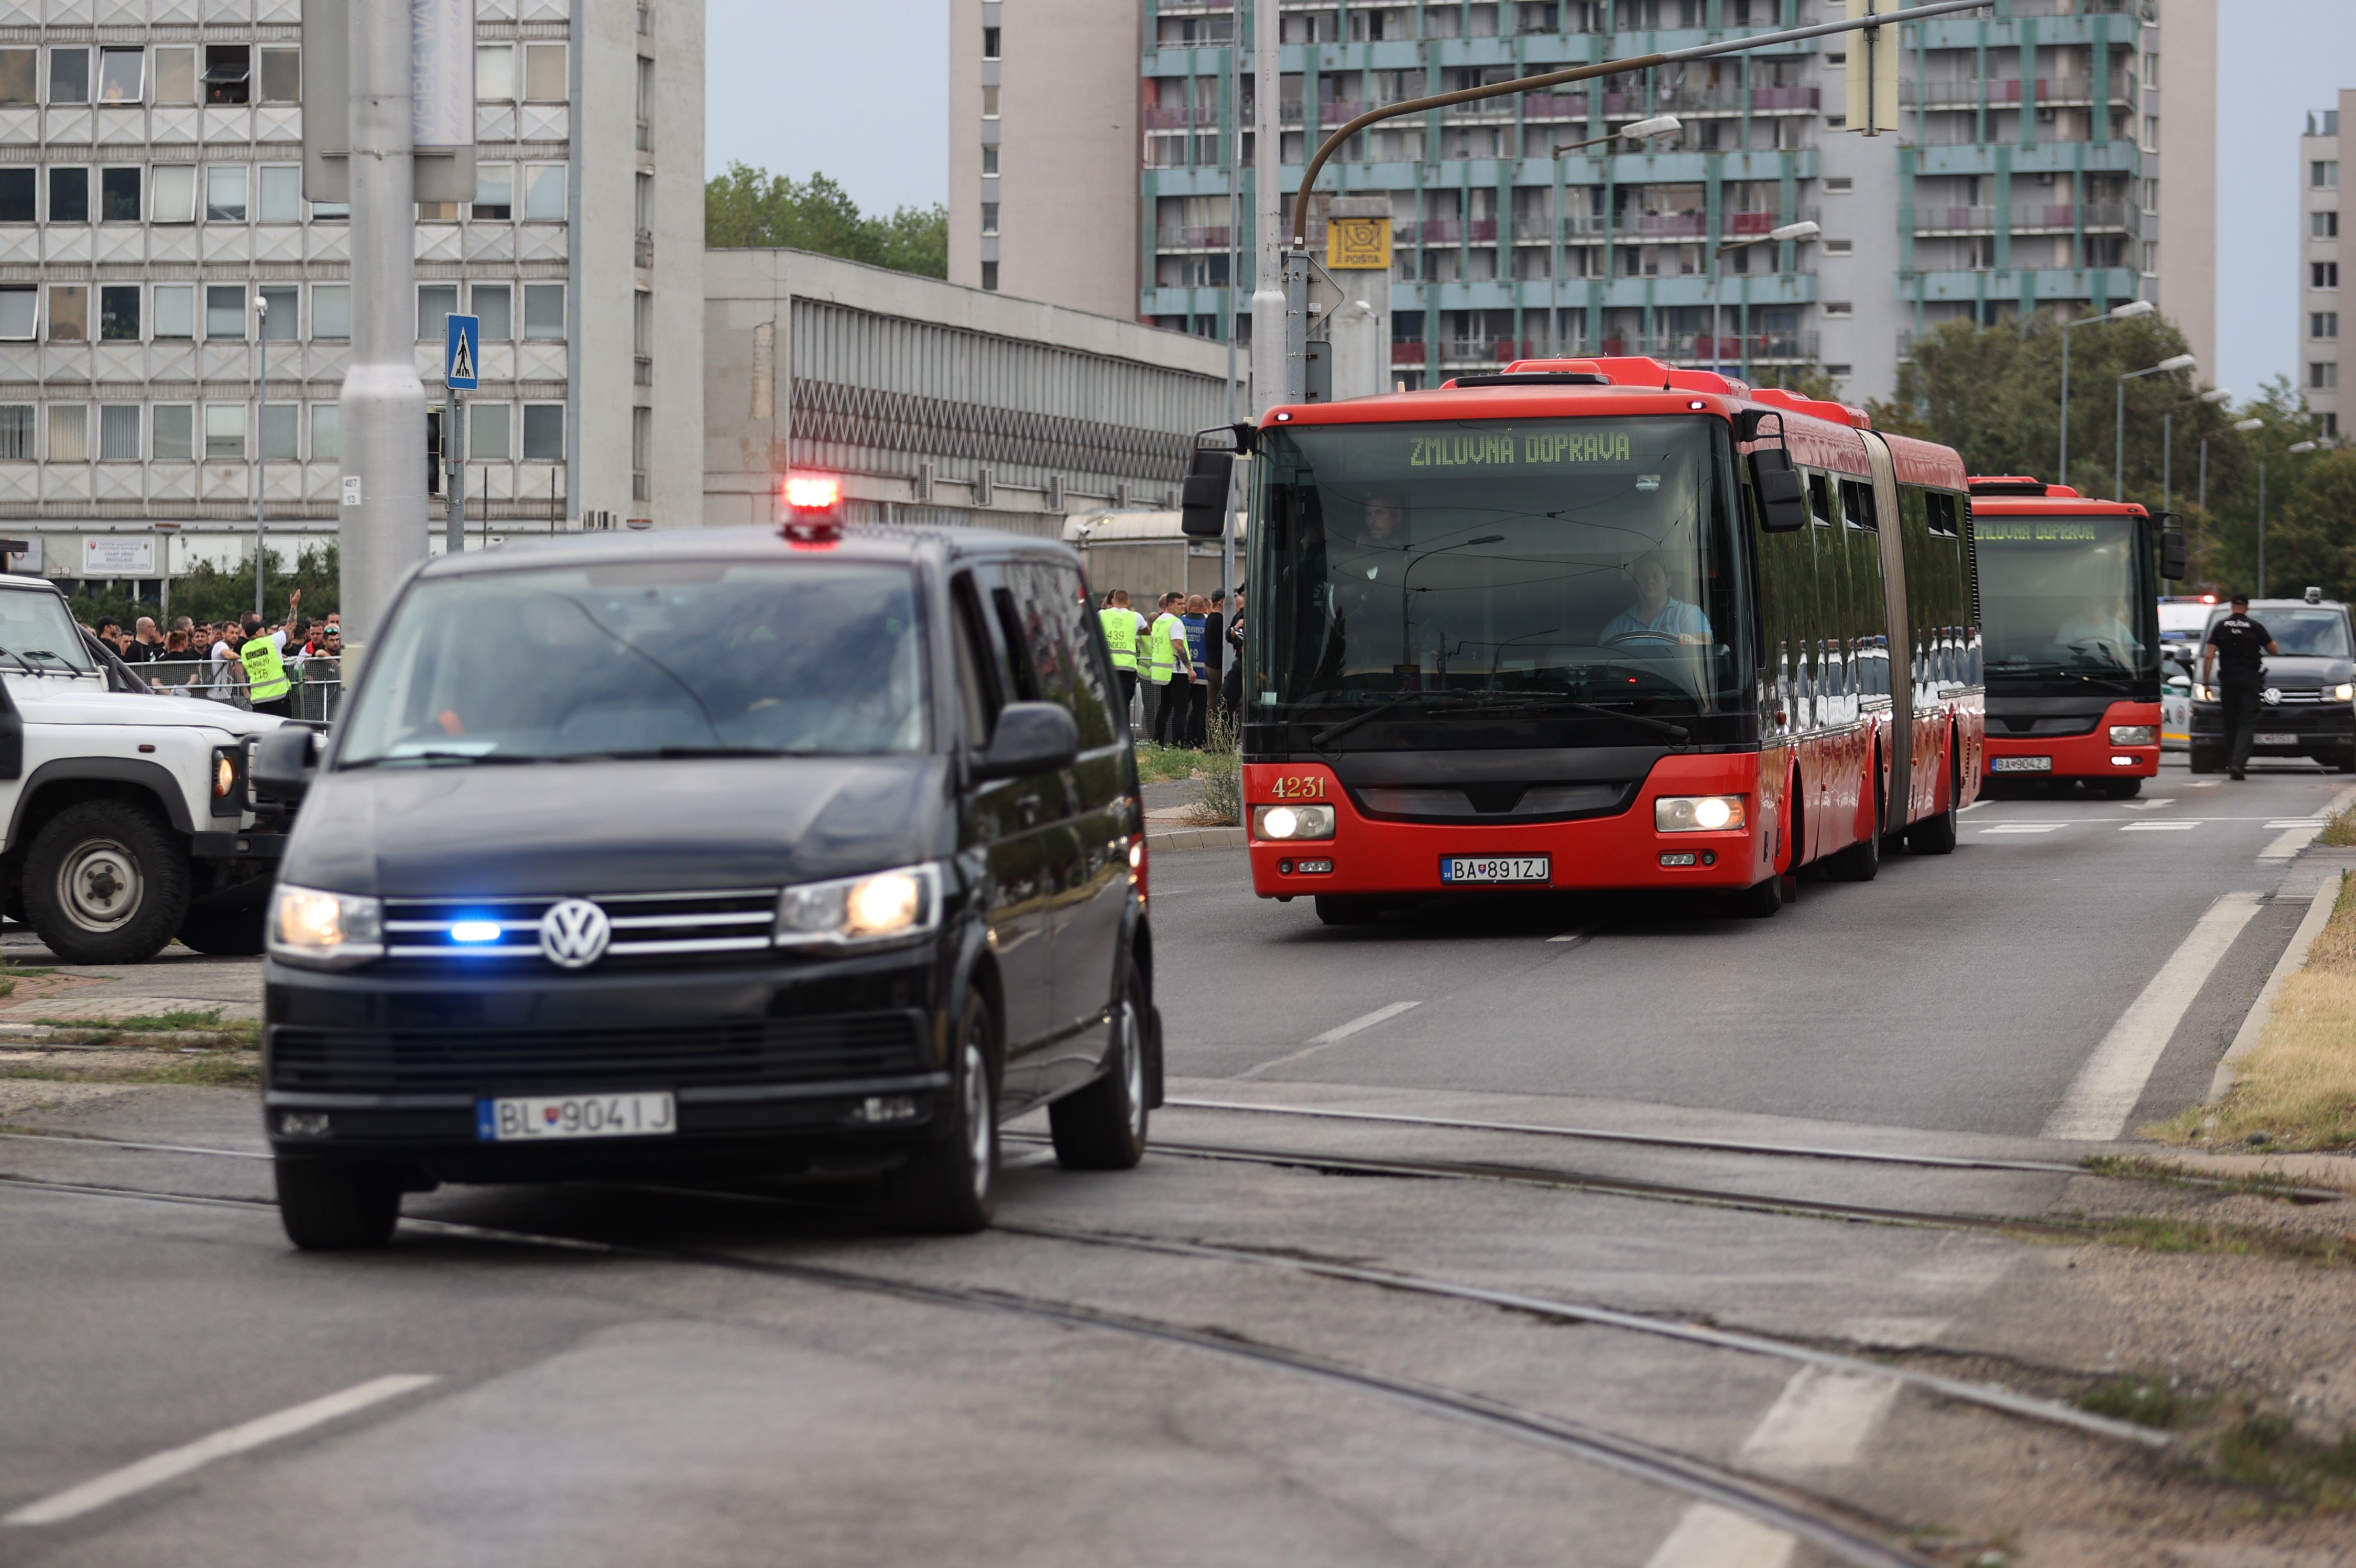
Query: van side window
point(979, 683)
point(1096, 704)
point(1857, 499)
point(1820, 501)
point(1025, 685)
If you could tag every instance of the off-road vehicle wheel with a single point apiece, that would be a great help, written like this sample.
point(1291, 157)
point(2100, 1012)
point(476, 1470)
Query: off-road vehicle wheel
point(106, 881)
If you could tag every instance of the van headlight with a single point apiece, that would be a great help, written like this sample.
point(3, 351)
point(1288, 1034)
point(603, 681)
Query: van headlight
point(2345, 692)
point(882, 907)
point(1697, 814)
point(2134, 735)
point(325, 930)
point(2204, 693)
point(1292, 821)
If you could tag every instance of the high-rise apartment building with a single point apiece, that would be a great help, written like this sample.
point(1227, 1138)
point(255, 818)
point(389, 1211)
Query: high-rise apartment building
point(151, 193)
point(2024, 174)
point(2320, 260)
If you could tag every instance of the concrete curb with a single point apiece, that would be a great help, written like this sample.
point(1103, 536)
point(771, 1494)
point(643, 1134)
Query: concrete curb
point(2337, 1171)
point(85, 1037)
point(2290, 845)
point(2294, 959)
point(1194, 838)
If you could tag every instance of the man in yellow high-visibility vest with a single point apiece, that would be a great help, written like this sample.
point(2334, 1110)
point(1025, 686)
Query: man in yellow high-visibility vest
point(1172, 668)
point(267, 684)
point(1120, 630)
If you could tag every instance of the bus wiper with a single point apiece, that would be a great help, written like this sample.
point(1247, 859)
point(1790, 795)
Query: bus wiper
point(1335, 731)
point(1641, 720)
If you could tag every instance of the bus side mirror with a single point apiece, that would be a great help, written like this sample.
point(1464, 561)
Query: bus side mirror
point(1203, 504)
point(2172, 564)
point(1783, 505)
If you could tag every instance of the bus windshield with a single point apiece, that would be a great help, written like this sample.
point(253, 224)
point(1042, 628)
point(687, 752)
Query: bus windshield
point(1457, 567)
point(2065, 595)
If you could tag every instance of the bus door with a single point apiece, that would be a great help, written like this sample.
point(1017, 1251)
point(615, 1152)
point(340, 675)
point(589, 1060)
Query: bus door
point(1898, 640)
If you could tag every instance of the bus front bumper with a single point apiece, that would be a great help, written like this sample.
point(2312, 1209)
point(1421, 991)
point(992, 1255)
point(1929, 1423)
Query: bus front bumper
point(2088, 756)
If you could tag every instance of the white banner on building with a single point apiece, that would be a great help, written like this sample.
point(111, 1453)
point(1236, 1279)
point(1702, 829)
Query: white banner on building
point(117, 556)
point(442, 54)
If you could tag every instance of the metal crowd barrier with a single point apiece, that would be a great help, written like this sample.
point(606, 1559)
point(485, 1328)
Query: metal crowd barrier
point(317, 683)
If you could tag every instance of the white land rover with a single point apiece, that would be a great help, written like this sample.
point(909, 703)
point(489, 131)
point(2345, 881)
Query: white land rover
point(129, 818)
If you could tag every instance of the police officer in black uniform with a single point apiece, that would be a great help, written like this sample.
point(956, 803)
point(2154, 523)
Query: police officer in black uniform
point(2235, 642)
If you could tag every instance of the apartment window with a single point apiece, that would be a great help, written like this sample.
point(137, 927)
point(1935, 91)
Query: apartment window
point(2323, 324)
point(2324, 225)
point(1840, 184)
point(646, 104)
point(2331, 427)
point(494, 73)
point(68, 76)
point(989, 103)
point(16, 76)
point(642, 445)
point(543, 193)
point(16, 433)
point(121, 76)
point(173, 425)
point(118, 195)
point(989, 218)
point(543, 312)
point(331, 311)
point(225, 190)
point(543, 433)
point(2323, 275)
point(224, 431)
point(437, 212)
point(175, 193)
point(436, 301)
point(1839, 309)
point(229, 69)
point(176, 310)
point(331, 213)
point(1840, 372)
point(989, 276)
point(282, 76)
point(489, 433)
point(17, 195)
point(1840, 247)
point(642, 203)
point(494, 191)
point(69, 313)
point(278, 193)
point(2323, 375)
point(989, 159)
point(19, 314)
point(69, 432)
point(642, 323)
point(281, 423)
point(495, 309)
point(281, 321)
point(326, 433)
point(118, 432)
point(989, 43)
point(68, 195)
point(543, 73)
point(175, 76)
point(118, 313)
point(2323, 174)
point(224, 311)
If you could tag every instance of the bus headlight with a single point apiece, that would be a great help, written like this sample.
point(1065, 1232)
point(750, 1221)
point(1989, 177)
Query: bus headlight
point(1699, 813)
point(2134, 735)
point(1292, 821)
point(325, 930)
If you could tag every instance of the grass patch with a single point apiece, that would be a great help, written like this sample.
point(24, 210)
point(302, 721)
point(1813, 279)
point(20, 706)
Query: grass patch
point(2299, 1086)
point(2147, 1398)
point(2266, 1451)
point(2340, 833)
point(2140, 1167)
point(1165, 764)
point(1219, 791)
point(2172, 1233)
point(206, 1018)
point(205, 1069)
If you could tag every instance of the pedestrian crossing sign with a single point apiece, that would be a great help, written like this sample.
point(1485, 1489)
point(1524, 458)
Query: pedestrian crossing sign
point(462, 359)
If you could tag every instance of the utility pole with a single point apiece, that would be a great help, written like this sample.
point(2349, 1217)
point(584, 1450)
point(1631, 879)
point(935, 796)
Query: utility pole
point(1269, 384)
point(261, 447)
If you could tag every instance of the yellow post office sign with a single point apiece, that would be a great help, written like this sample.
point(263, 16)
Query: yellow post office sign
point(1358, 244)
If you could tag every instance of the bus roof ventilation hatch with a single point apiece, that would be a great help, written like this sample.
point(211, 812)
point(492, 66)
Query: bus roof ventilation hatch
point(1512, 378)
point(1822, 408)
point(2015, 484)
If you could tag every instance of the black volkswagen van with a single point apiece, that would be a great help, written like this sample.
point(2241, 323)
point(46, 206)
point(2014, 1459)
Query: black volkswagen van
point(721, 849)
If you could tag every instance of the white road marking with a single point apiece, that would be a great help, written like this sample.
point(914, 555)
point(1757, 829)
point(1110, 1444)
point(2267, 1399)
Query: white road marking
point(2205, 783)
point(2023, 828)
point(1579, 935)
point(2103, 1097)
point(1332, 1037)
point(2154, 804)
point(2160, 827)
point(1821, 1422)
point(1974, 806)
point(2289, 844)
point(1893, 1332)
point(2295, 823)
point(174, 1463)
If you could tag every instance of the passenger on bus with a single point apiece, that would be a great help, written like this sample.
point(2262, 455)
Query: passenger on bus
point(1657, 616)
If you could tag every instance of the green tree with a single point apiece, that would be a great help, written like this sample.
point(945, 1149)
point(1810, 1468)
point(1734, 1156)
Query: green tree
point(750, 208)
point(210, 593)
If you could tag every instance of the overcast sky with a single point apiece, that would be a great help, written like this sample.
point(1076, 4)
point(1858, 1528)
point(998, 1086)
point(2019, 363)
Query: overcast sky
point(858, 90)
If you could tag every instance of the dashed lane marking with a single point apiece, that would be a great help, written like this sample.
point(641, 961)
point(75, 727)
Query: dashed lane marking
point(2158, 827)
point(1332, 1037)
point(2023, 828)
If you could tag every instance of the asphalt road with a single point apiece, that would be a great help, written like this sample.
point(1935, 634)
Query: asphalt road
point(623, 1375)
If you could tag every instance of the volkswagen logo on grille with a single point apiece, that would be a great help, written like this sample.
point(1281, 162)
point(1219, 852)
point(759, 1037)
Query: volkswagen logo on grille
point(2273, 694)
point(574, 933)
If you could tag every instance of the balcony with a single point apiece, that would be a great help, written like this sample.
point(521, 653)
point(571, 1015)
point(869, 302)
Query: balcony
point(2106, 217)
point(1191, 237)
point(1184, 116)
point(1650, 227)
point(1701, 349)
point(2006, 92)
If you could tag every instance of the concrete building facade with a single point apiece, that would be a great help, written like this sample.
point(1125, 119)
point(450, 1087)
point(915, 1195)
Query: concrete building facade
point(936, 403)
point(2320, 259)
point(150, 192)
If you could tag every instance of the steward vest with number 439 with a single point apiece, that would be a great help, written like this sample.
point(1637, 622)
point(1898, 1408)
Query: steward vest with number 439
point(1120, 637)
point(265, 672)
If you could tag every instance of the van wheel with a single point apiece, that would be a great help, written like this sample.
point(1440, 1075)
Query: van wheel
point(2206, 758)
point(224, 933)
point(1347, 910)
point(950, 1188)
point(329, 1208)
point(1102, 1127)
point(106, 883)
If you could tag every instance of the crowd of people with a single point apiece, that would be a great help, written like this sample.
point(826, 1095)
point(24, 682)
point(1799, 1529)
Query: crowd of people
point(229, 658)
point(1186, 659)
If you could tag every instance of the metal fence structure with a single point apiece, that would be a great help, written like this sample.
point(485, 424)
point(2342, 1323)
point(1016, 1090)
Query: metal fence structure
point(317, 684)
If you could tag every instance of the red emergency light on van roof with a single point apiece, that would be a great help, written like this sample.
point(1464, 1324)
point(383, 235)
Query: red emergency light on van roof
point(813, 507)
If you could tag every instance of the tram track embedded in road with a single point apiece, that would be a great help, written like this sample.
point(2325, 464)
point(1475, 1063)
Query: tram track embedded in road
point(1844, 1533)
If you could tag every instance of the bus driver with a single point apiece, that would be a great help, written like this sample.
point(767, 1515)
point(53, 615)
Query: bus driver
point(1656, 618)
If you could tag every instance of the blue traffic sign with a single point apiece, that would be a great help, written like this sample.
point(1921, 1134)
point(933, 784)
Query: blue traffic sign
point(462, 356)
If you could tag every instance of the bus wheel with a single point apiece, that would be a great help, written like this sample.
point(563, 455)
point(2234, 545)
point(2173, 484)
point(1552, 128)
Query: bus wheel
point(1346, 909)
point(2116, 788)
point(1758, 901)
point(1861, 862)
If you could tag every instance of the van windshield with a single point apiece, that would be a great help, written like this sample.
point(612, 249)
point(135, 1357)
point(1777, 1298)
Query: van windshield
point(648, 659)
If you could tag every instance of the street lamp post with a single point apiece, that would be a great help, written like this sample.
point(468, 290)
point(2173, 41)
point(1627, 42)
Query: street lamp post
point(261, 413)
point(2127, 312)
point(2292, 450)
point(2239, 427)
point(1642, 130)
point(2120, 447)
point(2167, 442)
point(1803, 230)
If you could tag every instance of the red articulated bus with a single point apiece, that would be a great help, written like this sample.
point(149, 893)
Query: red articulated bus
point(2070, 589)
point(1601, 624)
